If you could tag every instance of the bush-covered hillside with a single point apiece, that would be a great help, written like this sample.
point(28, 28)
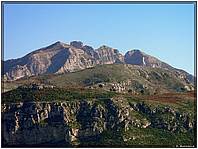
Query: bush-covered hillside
point(127, 77)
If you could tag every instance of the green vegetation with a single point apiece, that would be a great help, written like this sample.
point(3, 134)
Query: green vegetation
point(111, 138)
point(54, 94)
point(154, 78)
point(91, 76)
point(153, 137)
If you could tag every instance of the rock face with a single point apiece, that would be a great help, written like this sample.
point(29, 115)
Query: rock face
point(71, 123)
point(136, 57)
point(32, 123)
point(61, 58)
point(45, 60)
point(109, 55)
point(166, 118)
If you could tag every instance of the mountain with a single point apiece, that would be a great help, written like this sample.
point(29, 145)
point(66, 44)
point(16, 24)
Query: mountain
point(61, 58)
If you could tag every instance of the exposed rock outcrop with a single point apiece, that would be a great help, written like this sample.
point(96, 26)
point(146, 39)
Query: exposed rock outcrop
point(37, 123)
point(166, 118)
point(137, 57)
point(71, 123)
point(109, 55)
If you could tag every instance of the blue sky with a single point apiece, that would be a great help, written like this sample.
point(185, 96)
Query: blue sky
point(165, 31)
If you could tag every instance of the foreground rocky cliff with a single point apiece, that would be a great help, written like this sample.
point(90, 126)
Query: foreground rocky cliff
point(40, 123)
point(117, 121)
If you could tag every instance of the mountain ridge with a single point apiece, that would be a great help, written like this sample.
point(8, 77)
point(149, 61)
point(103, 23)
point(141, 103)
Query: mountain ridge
point(61, 57)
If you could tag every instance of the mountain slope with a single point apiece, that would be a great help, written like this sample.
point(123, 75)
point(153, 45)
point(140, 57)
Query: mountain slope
point(38, 62)
point(115, 77)
point(124, 78)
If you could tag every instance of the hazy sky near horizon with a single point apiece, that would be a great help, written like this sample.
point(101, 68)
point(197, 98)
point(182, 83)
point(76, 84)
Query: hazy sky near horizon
point(165, 31)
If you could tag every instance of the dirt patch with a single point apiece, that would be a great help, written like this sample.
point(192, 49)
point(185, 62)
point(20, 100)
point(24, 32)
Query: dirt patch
point(171, 97)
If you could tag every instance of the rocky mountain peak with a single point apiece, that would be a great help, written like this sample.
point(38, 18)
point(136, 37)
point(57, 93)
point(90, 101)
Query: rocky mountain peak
point(76, 44)
point(55, 46)
point(104, 47)
point(108, 55)
point(58, 43)
point(90, 51)
point(86, 47)
point(135, 57)
point(135, 51)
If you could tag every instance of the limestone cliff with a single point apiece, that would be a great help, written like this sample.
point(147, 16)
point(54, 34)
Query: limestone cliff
point(37, 123)
point(74, 123)
point(109, 55)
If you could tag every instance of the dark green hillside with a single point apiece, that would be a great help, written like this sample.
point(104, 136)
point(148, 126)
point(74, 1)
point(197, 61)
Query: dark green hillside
point(22, 94)
point(138, 79)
